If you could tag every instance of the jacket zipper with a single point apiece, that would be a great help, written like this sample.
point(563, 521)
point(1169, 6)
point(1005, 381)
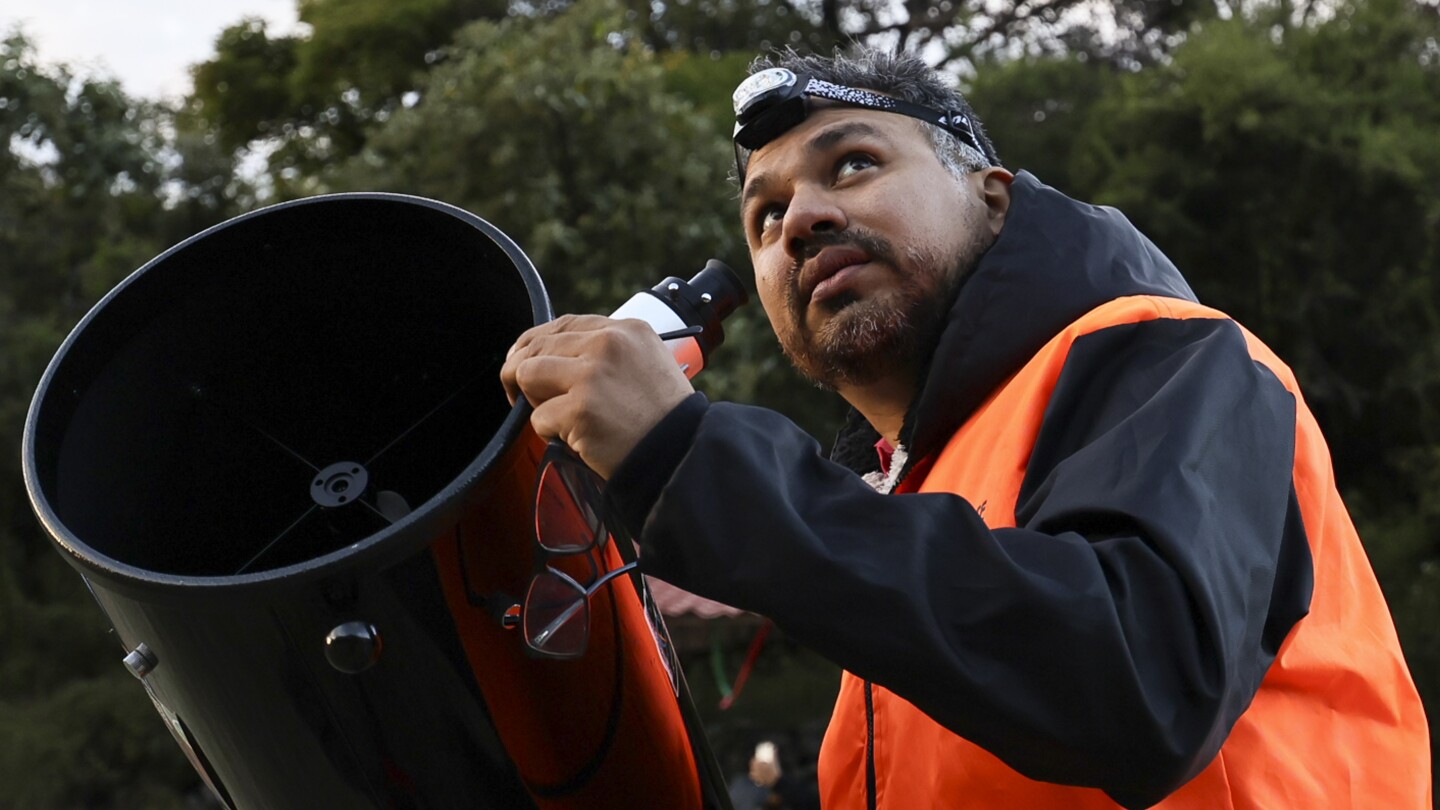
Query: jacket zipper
point(870, 800)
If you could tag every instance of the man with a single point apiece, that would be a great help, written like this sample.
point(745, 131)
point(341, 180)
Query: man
point(1112, 566)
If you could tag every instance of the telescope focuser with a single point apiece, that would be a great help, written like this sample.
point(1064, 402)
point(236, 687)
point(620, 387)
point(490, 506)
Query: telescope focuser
point(674, 304)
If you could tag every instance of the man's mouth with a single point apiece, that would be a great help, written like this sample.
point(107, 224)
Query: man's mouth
point(824, 276)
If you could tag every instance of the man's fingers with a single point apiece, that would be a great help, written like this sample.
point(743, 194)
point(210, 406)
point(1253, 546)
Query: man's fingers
point(526, 354)
point(530, 343)
point(592, 337)
point(550, 339)
point(555, 419)
point(595, 383)
point(541, 377)
point(561, 344)
point(561, 325)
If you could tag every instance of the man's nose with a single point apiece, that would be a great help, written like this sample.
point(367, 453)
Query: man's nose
point(811, 210)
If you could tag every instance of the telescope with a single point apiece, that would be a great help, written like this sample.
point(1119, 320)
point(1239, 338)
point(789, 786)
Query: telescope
point(280, 457)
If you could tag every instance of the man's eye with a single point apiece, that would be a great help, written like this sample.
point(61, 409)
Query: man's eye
point(850, 164)
point(770, 215)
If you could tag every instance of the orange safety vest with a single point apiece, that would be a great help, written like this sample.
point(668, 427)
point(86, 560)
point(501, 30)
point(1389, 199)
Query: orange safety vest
point(1337, 721)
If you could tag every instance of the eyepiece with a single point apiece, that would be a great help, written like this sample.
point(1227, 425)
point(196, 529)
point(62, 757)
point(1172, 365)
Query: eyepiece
point(704, 300)
point(722, 284)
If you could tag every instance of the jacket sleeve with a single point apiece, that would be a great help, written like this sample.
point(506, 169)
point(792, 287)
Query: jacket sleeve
point(1111, 640)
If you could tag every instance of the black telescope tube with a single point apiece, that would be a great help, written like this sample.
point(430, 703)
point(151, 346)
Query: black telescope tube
point(281, 458)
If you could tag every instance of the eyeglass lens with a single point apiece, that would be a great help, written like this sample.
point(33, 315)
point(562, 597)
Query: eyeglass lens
point(566, 516)
point(557, 611)
point(555, 615)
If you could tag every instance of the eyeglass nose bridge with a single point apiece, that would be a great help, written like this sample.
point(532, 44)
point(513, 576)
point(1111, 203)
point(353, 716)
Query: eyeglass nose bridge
point(568, 562)
point(569, 603)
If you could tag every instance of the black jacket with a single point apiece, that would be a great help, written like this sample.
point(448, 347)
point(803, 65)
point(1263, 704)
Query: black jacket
point(1113, 638)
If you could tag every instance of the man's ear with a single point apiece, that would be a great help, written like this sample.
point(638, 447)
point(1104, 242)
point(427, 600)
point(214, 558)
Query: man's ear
point(995, 193)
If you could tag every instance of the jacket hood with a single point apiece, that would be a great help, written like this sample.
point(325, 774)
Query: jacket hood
point(1055, 259)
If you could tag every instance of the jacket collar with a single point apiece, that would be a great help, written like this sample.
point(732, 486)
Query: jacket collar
point(1055, 259)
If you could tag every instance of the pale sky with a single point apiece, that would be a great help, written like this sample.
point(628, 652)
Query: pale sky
point(147, 44)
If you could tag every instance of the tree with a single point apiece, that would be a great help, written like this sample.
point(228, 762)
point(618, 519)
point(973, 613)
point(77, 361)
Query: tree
point(308, 100)
point(953, 33)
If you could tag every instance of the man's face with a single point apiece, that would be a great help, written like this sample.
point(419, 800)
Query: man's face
point(859, 236)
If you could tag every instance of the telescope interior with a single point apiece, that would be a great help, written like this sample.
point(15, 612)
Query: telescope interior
point(280, 388)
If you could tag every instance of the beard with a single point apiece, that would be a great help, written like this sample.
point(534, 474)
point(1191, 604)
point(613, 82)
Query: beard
point(866, 338)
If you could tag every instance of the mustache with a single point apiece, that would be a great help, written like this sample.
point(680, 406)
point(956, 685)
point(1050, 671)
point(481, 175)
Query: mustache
point(878, 247)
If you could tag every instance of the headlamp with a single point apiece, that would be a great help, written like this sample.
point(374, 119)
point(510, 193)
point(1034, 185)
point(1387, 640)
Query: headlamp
point(773, 101)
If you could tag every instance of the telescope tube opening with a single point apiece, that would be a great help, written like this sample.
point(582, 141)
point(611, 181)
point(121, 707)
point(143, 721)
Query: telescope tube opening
point(282, 386)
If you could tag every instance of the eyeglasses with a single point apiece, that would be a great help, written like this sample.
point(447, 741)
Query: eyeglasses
point(569, 525)
point(773, 101)
point(571, 531)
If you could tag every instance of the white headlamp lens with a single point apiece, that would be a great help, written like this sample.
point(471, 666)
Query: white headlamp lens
point(758, 85)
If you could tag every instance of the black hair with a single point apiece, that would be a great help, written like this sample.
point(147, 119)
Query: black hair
point(899, 75)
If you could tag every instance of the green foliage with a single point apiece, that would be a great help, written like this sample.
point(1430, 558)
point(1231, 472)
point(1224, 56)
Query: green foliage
point(1286, 160)
point(243, 92)
point(1033, 108)
point(78, 153)
point(76, 730)
point(378, 48)
point(309, 100)
point(707, 82)
point(727, 26)
point(84, 744)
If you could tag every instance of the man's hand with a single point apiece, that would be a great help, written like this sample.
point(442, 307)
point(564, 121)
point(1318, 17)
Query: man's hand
point(597, 384)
